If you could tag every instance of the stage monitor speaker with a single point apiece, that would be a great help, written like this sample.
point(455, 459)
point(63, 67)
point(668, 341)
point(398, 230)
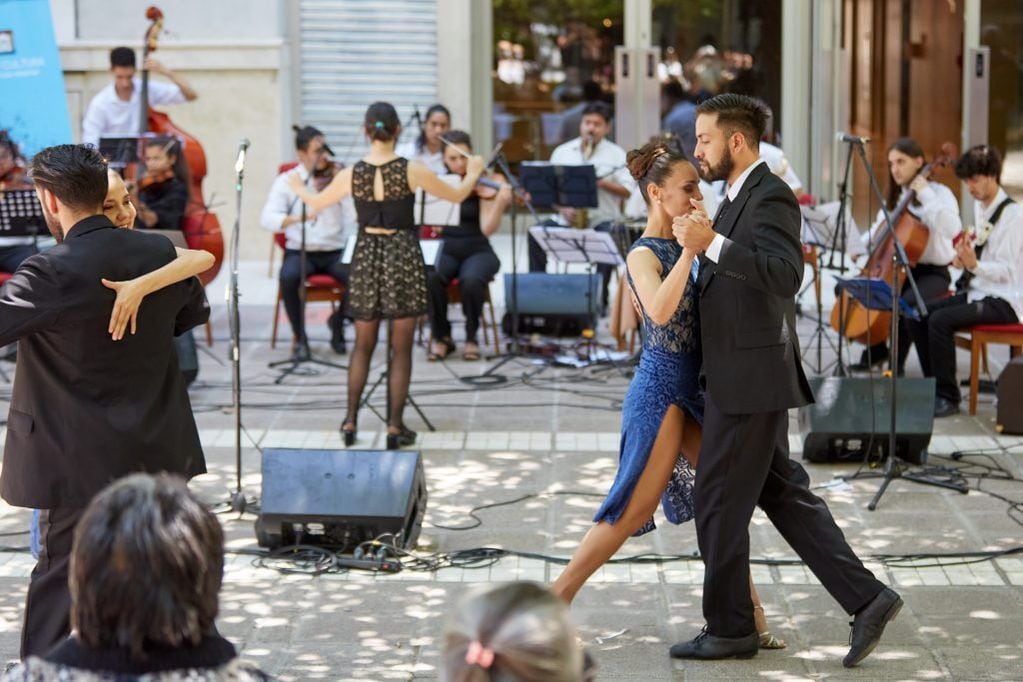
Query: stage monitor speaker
point(552, 304)
point(849, 420)
point(1009, 414)
point(339, 498)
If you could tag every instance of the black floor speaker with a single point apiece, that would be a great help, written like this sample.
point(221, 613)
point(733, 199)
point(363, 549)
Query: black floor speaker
point(339, 498)
point(1009, 415)
point(850, 418)
point(552, 304)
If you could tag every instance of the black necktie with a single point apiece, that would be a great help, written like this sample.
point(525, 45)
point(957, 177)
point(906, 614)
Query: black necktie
point(722, 210)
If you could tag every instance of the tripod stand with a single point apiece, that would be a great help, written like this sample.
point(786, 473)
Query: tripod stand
point(237, 502)
point(818, 233)
point(302, 354)
point(893, 469)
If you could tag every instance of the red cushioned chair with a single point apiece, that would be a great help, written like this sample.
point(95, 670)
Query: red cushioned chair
point(975, 339)
point(318, 288)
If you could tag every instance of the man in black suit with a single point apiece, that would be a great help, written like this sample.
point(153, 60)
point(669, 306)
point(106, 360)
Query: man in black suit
point(752, 374)
point(86, 410)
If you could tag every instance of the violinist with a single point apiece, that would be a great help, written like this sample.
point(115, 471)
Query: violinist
point(466, 254)
point(114, 111)
point(13, 176)
point(428, 147)
point(326, 231)
point(991, 288)
point(163, 190)
point(936, 207)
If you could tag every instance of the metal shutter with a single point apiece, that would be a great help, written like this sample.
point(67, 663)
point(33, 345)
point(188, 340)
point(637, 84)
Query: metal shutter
point(355, 52)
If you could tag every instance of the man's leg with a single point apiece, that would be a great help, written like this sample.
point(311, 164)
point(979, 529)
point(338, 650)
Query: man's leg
point(48, 604)
point(918, 329)
point(291, 280)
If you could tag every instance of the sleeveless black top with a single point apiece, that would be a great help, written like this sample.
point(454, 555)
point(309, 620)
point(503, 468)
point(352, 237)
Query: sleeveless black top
point(468, 220)
point(395, 210)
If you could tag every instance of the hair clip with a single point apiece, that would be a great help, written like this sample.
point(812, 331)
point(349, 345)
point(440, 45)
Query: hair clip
point(378, 124)
point(477, 654)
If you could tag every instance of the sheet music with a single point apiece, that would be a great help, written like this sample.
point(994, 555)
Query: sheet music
point(569, 245)
point(438, 211)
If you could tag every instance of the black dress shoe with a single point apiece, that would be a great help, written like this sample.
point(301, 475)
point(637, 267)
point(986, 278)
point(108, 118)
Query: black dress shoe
point(708, 647)
point(868, 625)
point(945, 408)
point(874, 356)
point(337, 333)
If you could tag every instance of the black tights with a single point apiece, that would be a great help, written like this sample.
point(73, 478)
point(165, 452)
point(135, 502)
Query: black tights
point(401, 335)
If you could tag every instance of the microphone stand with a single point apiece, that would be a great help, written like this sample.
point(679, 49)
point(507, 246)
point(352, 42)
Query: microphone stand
point(302, 354)
point(238, 501)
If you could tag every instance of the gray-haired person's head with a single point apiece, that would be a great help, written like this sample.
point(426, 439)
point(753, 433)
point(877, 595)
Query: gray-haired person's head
point(511, 633)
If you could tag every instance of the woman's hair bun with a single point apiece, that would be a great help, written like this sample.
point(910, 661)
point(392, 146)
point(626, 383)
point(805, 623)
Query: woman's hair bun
point(641, 160)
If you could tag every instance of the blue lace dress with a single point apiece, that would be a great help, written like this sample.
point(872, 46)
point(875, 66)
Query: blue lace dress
point(668, 374)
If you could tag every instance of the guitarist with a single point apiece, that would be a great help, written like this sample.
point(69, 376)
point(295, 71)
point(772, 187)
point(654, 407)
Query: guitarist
point(936, 207)
point(990, 290)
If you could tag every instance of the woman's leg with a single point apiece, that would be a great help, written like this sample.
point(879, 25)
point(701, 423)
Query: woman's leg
point(604, 539)
point(358, 368)
point(437, 281)
point(401, 337)
point(474, 277)
point(767, 640)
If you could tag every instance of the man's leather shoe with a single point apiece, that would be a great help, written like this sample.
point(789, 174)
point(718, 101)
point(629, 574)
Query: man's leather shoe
point(868, 625)
point(708, 647)
point(945, 408)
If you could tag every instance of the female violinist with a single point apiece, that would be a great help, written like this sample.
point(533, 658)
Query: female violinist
point(163, 191)
point(387, 279)
point(466, 254)
point(428, 148)
point(936, 207)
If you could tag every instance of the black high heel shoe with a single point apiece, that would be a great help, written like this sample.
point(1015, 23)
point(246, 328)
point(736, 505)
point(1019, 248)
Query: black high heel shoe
point(348, 430)
point(401, 437)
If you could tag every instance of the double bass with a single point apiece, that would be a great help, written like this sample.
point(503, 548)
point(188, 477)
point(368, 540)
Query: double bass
point(867, 326)
point(200, 226)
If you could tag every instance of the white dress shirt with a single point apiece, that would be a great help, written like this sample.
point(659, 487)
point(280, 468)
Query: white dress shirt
point(939, 211)
point(328, 231)
point(999, 270)
point(608, 161)
point(714, 250)
point(775, 159)
point(434, 161)
point(110, 116)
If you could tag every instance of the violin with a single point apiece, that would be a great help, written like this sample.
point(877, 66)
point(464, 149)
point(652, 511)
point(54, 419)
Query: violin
point(324, 173)
point(152, 180)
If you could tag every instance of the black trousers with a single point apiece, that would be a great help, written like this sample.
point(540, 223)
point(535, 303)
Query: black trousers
point(48, 605)
point(744, 461)
point(471, 261)
point(11, 256)
point(317, 262)
point(935, 335)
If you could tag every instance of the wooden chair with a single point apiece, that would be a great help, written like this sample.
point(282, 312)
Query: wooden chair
point(318, 288)
point(455, 297)
point(975, 339)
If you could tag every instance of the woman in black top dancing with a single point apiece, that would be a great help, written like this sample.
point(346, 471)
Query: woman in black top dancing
point(466, 255)
point(388, 278)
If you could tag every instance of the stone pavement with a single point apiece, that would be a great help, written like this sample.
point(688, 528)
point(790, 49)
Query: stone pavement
point(556, 431)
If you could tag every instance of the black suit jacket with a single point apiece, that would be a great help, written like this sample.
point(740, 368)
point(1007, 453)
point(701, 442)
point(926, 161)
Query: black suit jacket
point(751, 359)
point(85, 409)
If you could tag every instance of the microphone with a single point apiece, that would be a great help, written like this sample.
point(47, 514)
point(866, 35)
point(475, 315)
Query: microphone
point(327, 149)
point(415, 115)
point(846, 137)
point(239, 164)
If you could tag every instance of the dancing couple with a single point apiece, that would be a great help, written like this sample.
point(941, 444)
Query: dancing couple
point(720, 368)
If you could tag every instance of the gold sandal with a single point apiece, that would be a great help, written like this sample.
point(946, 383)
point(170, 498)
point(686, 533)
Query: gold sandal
point(769, 641)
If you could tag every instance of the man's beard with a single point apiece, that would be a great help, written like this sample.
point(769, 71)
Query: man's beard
point(53, 224)
point(722, 171)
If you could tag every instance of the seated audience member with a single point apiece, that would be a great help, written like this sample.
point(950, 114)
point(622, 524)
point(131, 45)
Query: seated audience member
point(514, 632)
point(991, 288)
point(146, 566)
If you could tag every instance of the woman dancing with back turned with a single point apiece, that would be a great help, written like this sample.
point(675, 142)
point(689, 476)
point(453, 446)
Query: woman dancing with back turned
point(663, 407)
point(388, 278)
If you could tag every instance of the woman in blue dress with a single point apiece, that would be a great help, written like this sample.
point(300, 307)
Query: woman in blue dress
point(663, 407)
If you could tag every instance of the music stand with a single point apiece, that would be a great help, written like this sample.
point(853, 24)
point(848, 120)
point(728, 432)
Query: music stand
point(21, 214)
point(121, 151)
point(819, 229)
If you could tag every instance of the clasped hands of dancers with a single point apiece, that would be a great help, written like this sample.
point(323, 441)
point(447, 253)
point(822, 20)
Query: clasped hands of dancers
point(719, 370)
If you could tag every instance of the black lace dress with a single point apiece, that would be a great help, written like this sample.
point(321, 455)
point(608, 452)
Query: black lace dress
point(388, 277)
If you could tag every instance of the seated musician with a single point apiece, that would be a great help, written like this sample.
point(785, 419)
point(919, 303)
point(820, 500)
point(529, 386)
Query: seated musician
point(466, 255)
point(114, 111)
point(163, 190)
point(614, 184)
point(991, 288)
point(326, 231)
point(13, 176)
point(936, 207)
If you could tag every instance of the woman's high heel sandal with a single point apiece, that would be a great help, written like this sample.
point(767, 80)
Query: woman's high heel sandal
point(767, 640)
point(348, 433)
point(399, 437)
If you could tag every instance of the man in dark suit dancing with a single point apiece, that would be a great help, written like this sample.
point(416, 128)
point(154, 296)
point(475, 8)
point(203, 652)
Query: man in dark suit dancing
point(752, 374)
point(86, 410)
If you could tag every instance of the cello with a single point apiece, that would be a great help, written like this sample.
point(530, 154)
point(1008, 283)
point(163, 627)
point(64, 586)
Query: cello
point(861, 324)
point(200, 226)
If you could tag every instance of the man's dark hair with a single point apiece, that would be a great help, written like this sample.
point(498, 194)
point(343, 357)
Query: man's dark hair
point(122, 56)
point(146, 566)
point(600, 108)
point(980, 160)
point(75, 173)
point(738, 113)
point(592, 91)
point(305, 135)
point(457, 137)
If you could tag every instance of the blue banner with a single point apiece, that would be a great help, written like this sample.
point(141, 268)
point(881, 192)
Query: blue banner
point(33, 106)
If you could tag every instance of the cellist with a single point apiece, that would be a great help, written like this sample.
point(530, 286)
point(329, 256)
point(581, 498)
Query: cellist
point(936, 207)
point(114, 111)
